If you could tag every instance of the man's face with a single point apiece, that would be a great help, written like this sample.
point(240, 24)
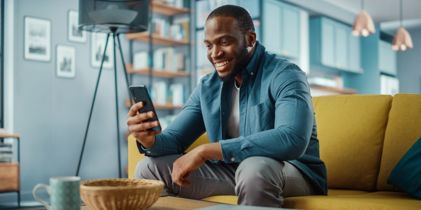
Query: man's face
point(226, 46)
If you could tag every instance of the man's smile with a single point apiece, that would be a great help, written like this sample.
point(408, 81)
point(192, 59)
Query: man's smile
point(221, 65)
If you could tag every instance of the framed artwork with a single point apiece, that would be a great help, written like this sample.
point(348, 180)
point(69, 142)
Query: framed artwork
point(73, 32)
point(97, 49)
point(66, 64)
point(37, 37)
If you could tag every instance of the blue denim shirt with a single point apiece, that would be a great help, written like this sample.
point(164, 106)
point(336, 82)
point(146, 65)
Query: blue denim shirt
point(276, 118)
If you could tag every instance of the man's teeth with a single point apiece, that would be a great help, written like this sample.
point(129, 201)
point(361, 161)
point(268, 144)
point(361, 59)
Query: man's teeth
point(220, 64)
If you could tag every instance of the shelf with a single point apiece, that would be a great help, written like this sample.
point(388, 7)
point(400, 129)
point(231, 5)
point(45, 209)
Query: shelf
point(156, 72)
point(333, 89)
point(8, 135)
point(168, 10)
point(156, 39)
point(167, 106)
point(9, 177)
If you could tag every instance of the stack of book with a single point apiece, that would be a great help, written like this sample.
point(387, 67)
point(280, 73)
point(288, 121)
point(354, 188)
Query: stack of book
point(6, 153)
point(164, 58)
point(164, 94)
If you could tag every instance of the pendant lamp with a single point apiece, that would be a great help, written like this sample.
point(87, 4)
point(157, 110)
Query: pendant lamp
point(402, 40)
point(363, 24)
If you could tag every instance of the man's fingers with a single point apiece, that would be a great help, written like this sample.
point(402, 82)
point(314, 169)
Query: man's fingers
point(143, 127)
point(180, 177)
point(139, 118)
point(134, 109)
point(142, 134)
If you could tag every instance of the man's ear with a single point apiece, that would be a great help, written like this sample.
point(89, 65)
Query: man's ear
point(251, 38)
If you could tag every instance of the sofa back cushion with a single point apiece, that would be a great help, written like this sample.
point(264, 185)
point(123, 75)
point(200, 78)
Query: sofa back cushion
point(351, 131)
point(403, 129)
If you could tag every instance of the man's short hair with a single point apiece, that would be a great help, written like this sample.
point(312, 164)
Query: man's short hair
point(243, 18)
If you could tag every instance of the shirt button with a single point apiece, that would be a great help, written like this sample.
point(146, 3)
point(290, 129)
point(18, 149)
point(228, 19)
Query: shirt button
point(232, 159)
point(252, 73)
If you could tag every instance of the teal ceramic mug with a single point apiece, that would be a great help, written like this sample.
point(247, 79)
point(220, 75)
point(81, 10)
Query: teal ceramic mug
point(64, 193)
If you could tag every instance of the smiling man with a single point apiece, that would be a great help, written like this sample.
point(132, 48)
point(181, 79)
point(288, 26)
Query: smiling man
point(256, 109)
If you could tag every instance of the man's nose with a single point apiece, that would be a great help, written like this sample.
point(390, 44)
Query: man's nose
point(216, 52)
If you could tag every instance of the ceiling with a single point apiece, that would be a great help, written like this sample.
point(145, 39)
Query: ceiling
point(383, 10)
point(386, 12)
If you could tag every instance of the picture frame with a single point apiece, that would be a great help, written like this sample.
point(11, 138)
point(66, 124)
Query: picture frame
point(65, 61)
point(73, 32)
point(97, 49)
point(37, 39)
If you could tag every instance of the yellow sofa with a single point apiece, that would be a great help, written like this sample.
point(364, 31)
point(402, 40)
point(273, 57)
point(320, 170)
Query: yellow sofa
point(362, 137)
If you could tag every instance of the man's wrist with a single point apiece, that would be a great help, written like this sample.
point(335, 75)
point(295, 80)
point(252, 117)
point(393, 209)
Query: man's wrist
point(212, 151)
point(147, 146)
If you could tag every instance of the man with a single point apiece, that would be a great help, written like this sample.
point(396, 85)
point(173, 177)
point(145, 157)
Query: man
point(256, 109)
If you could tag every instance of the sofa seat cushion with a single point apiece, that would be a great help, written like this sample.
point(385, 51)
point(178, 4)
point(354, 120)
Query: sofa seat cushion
point(403, 129)
point(334, 192)
point(376, 200)
point(228, 199)
point(351, 132)
point(232, 199)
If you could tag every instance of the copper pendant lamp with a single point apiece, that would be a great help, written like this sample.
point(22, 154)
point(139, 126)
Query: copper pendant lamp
point(402, 40)
point(363, 24)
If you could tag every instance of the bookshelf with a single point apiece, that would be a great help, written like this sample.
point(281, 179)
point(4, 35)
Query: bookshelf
point(158, 106)
point(168, 10)
point(9, 169)
point(156, 39)
point(164, 73)
point(333, 90)
point(160, 57)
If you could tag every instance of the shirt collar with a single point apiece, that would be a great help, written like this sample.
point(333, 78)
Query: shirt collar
point(253, 65)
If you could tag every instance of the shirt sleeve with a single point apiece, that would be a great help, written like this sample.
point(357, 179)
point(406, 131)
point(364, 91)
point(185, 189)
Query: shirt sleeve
point(293, 122)
point(182, 132)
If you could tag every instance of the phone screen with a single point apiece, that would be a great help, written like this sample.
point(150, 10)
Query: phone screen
point(140, 93)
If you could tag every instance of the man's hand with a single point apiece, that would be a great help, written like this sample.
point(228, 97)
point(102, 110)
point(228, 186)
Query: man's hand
point(139, 128)
point(191, 161)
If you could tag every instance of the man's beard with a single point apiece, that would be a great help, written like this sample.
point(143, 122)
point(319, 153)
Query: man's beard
point(239, 67)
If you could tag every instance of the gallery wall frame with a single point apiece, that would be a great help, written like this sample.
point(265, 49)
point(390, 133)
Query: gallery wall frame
point(73, 32)
point(37, 39)
point(97, 49)
point(65, 61)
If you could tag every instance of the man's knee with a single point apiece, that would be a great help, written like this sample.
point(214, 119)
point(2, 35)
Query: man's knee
point(257, 170)
point(150, 167)
point(259, 174)
point(144, 168)
point(259, 181)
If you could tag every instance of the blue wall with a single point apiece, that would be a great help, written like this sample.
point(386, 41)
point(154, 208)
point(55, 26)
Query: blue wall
point(50, 113)
point(409, 65)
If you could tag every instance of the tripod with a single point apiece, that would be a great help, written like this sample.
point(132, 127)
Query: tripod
point(115, 35)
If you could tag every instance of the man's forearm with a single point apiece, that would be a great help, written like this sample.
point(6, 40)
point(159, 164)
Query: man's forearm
point(211, 151)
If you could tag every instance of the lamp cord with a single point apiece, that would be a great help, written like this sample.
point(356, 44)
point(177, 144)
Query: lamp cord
point(362, 4)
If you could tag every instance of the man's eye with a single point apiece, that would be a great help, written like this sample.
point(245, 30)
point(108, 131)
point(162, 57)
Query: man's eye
point(224, 42)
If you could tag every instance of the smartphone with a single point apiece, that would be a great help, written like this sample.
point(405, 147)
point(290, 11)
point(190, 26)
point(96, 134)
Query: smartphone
point(140, 93)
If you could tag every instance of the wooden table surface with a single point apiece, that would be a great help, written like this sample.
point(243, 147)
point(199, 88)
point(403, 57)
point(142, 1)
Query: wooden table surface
point(175, 203)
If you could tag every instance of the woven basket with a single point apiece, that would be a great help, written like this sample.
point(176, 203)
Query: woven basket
point(119, 194)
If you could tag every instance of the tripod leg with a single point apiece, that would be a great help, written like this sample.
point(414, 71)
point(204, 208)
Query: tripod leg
point(116, 106)
point(124, 67)
point(92, 106)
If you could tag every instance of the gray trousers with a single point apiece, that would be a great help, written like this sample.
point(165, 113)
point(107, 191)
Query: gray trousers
point(258, 181)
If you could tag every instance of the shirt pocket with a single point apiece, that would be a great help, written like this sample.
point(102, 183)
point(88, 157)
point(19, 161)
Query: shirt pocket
point(261, 117)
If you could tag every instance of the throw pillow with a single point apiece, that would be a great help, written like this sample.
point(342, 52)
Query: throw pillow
point(406, 175)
